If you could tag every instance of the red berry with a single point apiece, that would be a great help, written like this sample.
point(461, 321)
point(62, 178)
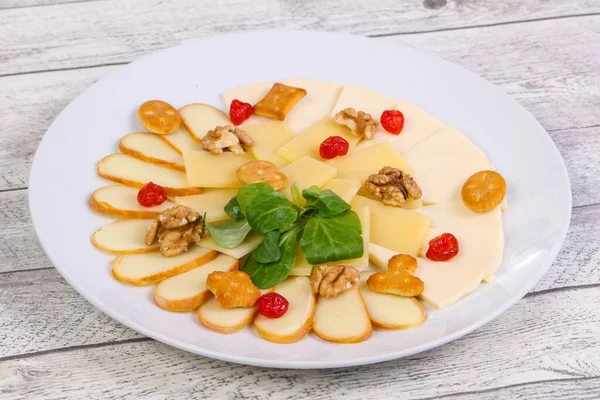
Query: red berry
point(333, 146)
point(239, 111)
point(272, 305)
point(392, 121)
point(443, 247)
point(152, 195)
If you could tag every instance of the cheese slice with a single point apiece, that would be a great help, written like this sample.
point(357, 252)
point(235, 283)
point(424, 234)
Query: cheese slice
point(445, 146)
point(302, 267)
point(344, 318)
point(455, 213)
point(225, 320)
point(214, 171)
point(212, 203)
point(125, 236)
point(122, 201)
point(388, 311)
point(309, 141)
point(400, 230)
point(307, 172)
point(363, 99)
point(379, 255)
point(297, 321)
point(365, 221)
point(200, 118)
point(344, 188)
point(319, 101)
point(250, 243)
point(252, 94)
point(151, 148)
point(181, 140)
point(187, 291)
point(142, 269)
point(268, 138)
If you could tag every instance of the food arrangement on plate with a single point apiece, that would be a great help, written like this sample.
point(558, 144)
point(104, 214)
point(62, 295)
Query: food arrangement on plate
point(312, 206)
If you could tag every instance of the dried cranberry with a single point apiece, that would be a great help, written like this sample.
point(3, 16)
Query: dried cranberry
point(334, 146)
point(392, 121)
point(152, 195)
point(443, 247)
point(240, 111)
point(272, 305)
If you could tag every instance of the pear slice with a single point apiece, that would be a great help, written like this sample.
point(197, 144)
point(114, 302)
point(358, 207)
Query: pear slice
point(344, 318)
point(151, 148)
point(142, 269)
point(130, 171)
point(122, 201)
point(181, 140)
point(187, 291)
point(388, 311)
point(297, 321)
point(200, 118)
point(123, 237)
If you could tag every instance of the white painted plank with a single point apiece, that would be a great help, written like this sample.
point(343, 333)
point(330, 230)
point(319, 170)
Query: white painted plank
point(6, 4)
point(549, 337)
point(94, 33)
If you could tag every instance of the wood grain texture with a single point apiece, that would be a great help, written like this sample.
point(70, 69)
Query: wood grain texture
point(6, 4)
point(116, 31)
point(543, 338)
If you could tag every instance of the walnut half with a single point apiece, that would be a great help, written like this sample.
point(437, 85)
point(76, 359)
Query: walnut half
point(226, 137)
point(360, 123)
point(330, 280)
point(175, 229)
point(393, 186)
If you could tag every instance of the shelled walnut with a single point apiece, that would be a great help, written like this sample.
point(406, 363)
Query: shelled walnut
point(393, 186)
point(360, 123)
point(332, 280)
point(175, 229)
point(226, 137)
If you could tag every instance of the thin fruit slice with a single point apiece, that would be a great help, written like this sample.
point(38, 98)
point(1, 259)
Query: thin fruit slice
point(344, 318)
point(181, 140)
point(142, 269)
point(132, 172)
point(200, 118)
point(388, 311)
point(123, 237)
point(211, 203)
point(151, 148)
point(187, 291)
point(298, 319)
point(484, 191)
point(122, 201)
point(214, 171)
point(250, 243)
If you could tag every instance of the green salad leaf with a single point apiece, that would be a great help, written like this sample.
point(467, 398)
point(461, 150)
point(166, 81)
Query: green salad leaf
point(233, 209)
point(247, 194)
point(332, 239)
point(326, 202)
point(270, 211)
point(296, 195)
point(268, 250)
point(229, 234)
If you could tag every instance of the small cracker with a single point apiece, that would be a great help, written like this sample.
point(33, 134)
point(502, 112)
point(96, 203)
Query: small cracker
point(398, 283)
point(279, 101)
point(233, 289)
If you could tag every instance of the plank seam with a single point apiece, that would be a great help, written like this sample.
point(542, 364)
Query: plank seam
point(562, 289)
point(25, 270)
point(41, 71)
point(51, 5)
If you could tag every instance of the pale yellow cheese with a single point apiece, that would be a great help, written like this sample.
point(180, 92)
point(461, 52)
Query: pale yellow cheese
point(124, 199)
point(209, 170)
point(268, 138)
point(363, 99)
point(379, 256)
point(302, 267)
point(200, 118)
point(395, 228)
point(455, 213)
point(250, 243)
point(252, 94)
point(344, 318)
point(365, 221)
point(227, 320)
point(346, 189)
point(123, 236)
point(181, 140)
point(319, 101)
point(307, 172)
point(150, 147)
point(308, 142)
point(389, 311)
point(212, 203)
point(193, 283)
point(299, 295)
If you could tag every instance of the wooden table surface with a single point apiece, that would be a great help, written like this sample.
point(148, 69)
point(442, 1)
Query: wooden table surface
point(546, 54)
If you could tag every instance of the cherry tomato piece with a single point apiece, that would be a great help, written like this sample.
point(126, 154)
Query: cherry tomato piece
point(333, 146)
point(392, 121)
point(272, 305)
point(443, 247)
point(240, 111)
point(152, 195)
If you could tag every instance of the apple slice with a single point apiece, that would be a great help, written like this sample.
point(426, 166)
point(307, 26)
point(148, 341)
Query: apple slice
point(151, 148)
point(123, 237)
point(200, 118)
point(388, 311)
point(122, 201)
point(181, 140)
point(141, 269)
point(187, 291)
point(297, 321)
point(130, 171)
point(344, 318)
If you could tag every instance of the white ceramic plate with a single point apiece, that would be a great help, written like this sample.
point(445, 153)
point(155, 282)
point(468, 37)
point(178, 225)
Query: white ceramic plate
point(64, 175)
